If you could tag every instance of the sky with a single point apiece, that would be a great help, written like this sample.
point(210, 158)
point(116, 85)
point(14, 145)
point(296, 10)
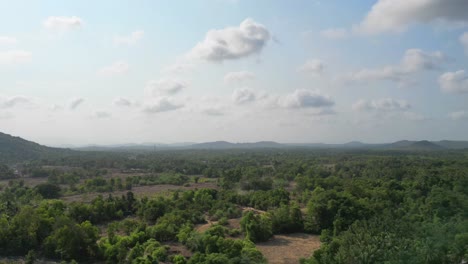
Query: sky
point(113, 72)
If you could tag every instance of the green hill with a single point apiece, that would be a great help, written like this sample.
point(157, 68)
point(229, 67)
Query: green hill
point(15, 149)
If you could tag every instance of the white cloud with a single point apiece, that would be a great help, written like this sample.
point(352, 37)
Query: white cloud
point(335, 33)
point(165, 87)
point(102, 114)
point(55, 107)
point(381, 105)
point(243, 96)
point(412, 116)
point(131, 39)
point(397, 15)
point(10, 102)
point(413, 61)
point(459, 115)
point(213, 111)
point(232, 42)
point(120, 101)
point(416, 60)
point(454, 82)
point(464, 41)
point(161, 104)
point(313, 66)
point(6, 115)
point(239, 77)
point(303, 98)
point(117, 68)
point(63, 23)
point(181, 66)
point(75, 103)
point(323, 112)
point(15, 57)
point(6, 40)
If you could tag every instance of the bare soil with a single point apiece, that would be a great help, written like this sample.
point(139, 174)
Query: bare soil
point(288, 249)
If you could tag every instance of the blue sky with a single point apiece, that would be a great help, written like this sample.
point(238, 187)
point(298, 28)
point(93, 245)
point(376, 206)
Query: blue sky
point(85, 72)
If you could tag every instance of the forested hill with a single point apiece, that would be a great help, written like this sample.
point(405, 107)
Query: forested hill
point(403, 145)
point(15, 149)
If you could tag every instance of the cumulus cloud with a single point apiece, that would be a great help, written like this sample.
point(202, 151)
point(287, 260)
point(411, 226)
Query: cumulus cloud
point(397, 15)
point(334, 33)
point(232, 42)
point(381, 105)
point(117, 68)
point(6, 40)
point(313, 66)
point(239, 77)
point(120, 101)
point(464, 42)
point(75, 103)
point(459, 115)
point(454, 82)
point(165, 87)
point(413, 61)
point(10, 102)
point(63, 23)
point(161, 104)
point(243, 96)
point(15, 57)
point(131, 39)
point(302, 98)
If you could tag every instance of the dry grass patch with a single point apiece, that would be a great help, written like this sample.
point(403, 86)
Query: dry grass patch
point(141, 191)
point(288, 249)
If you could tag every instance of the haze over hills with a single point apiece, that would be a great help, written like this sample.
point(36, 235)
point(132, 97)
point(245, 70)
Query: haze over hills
point(398, 145)
point(13, 149)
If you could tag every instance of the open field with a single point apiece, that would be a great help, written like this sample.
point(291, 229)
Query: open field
point(288, 249)
point(141, 191)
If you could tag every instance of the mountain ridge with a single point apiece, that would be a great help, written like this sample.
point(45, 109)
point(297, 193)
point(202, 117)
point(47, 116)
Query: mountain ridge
point(14, 149)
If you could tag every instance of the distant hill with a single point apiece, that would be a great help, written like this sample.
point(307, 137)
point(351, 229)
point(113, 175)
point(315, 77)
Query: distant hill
point(425, 145)
point(422, 145)
point(452, 144)
point(400, 144)
point(15, 149)
point(229, 145)
point(405, 145)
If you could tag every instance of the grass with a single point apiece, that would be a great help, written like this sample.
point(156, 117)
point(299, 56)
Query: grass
point(289, 249)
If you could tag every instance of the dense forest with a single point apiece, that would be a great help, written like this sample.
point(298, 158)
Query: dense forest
point(365, 206)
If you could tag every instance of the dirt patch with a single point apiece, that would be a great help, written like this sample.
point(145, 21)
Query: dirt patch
point(177, 248)
point(141, 191)
point(28, 181)
point(234, 223)
point(288, 249)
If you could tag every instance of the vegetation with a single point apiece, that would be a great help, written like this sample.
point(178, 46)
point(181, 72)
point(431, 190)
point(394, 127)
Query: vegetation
point(367, 206)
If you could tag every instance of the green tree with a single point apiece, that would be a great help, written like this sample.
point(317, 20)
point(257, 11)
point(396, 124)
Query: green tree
point(257, 227)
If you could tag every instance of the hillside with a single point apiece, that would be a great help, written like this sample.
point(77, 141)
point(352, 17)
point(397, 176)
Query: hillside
point(15, 149)
point(452, 144)
point(422, 145)
point(229, 145)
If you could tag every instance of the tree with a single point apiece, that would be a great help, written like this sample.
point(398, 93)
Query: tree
point(73, 241)
point(48, 190)
point(6, 172)
point(257, 227)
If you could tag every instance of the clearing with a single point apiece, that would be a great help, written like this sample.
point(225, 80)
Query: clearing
point(288, 249)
